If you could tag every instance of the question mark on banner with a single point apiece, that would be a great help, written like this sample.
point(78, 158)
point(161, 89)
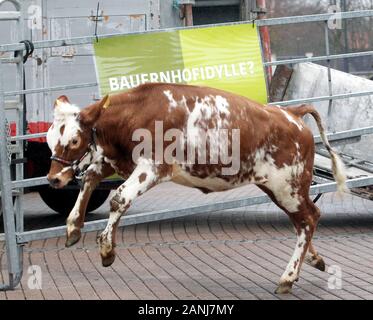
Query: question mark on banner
point(251, 67)
point(35, 280)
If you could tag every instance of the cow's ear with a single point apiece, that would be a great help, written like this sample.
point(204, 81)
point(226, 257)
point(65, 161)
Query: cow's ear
point(61, 99)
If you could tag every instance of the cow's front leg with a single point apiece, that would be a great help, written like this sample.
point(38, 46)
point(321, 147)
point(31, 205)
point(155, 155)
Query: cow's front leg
point(145, 176)
point(75, 220)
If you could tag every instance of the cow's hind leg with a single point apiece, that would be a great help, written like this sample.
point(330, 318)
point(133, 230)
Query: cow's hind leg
point(304, 215)
point(313, 259)
point(305, 220)
point(145, 176)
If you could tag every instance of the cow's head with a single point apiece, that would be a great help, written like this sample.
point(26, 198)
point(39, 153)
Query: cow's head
point(70, 140)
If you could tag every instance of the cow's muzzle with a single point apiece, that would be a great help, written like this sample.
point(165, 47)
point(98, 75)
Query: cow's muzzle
point(54, 181)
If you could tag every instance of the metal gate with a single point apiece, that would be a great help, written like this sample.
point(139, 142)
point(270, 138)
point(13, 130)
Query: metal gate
point(15, 236)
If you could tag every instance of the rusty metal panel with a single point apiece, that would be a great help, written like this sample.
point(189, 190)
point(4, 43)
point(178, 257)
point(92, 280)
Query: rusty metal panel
point(279, 83)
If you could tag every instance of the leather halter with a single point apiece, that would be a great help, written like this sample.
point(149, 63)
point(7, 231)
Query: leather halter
point(74, 164)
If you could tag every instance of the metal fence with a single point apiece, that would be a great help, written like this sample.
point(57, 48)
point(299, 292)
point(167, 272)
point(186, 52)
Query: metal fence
point(15, 236)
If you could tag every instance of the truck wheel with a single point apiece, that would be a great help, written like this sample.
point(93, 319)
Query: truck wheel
point(62, 201)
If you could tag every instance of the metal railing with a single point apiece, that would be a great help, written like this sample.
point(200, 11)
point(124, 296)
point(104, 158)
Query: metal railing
point(15, 235)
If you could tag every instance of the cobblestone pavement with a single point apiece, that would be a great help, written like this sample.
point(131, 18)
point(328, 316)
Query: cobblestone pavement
point(233, 254)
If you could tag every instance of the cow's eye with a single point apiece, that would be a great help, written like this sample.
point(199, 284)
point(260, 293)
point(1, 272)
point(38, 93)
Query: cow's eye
point(74, 142)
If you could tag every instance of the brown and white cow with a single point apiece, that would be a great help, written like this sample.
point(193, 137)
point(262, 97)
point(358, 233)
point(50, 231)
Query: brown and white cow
point(275, 152)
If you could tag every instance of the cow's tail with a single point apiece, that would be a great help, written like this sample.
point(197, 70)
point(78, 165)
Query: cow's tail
point(338, 167)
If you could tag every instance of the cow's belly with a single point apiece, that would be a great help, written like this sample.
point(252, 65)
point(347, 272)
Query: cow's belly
point(184, 178)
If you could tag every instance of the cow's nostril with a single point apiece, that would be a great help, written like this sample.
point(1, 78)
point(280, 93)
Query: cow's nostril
point(54, 182)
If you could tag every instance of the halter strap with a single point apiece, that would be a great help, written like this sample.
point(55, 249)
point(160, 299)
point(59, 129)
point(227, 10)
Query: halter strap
point(74, 164)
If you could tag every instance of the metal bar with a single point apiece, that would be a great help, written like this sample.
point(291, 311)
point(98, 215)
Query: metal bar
point(315, 18)
point(9, 15)
point(322, 98)
point(11, 60)
point(171, 214)
point(31, 182)
point(188, 12)
point(6, 199)
point(265, 38)
point(12, 105)
point(20, 129)
point(330, 87)
point(265, 22)
point(50, 89)
point(27, 136)
point(320, 58)
point(345, 134)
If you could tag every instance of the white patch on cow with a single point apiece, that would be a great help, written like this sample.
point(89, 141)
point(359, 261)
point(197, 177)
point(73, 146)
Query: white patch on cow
point(292, 120)
point(207, 109)
point(133, 185)
point(113, 164)
point(75, 213)
point(127, 193)
point(96, 162)
point(222, 105)
point(183, 102)
point(298, 149)
point(170, 97)
point(65, 114)
point(291, 272)
point(278, 180)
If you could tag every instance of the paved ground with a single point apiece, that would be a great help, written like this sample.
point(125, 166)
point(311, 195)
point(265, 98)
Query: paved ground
point(235, 254)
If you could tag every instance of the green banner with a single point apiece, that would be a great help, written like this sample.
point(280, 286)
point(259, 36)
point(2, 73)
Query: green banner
point(224, 57)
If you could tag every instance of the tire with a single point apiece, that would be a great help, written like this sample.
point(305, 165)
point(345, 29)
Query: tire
point(63, 200)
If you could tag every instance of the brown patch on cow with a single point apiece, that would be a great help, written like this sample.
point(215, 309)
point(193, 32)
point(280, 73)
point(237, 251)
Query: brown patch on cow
point(142, 177)
point(62, 129)
point(114, 206)
point(116, 202)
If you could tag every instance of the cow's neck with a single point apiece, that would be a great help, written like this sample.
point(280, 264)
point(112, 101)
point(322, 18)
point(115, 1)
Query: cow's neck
point(112, 136)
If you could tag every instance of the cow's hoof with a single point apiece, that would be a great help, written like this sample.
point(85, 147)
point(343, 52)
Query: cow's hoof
point(73, 238)
point(316, 262)
point(320, 264)
point(108, 260)
point(284, 288)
